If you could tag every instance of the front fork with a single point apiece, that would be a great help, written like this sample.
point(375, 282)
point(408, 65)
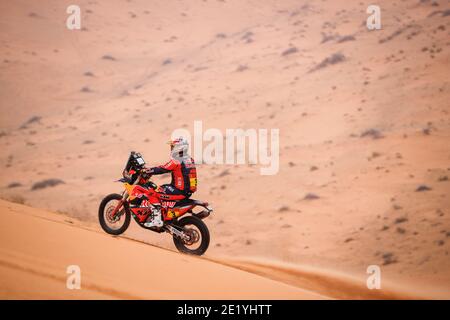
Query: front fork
point(118, 207)
point(125, 196)
point(120, 204)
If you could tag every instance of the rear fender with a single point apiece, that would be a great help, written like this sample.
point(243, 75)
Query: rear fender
point(204, 213)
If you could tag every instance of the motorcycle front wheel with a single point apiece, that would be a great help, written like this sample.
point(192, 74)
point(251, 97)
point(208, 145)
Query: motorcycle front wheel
point(198, 233)
point(120, 222)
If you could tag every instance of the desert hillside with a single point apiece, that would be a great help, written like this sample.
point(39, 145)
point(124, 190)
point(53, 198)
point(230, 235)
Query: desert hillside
point(363, 117)
point(49, 249)
point(38, 267)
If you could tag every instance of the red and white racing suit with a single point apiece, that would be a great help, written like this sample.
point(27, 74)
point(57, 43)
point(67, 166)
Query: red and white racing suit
point(184, 178)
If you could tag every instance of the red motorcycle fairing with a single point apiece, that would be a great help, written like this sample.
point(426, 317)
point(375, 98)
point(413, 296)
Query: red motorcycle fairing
point(150, 197)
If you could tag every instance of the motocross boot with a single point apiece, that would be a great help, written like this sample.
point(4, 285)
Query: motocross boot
point(155, 218)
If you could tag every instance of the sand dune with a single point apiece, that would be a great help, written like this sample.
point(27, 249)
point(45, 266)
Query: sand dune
point(330, 283)
point(37, 247)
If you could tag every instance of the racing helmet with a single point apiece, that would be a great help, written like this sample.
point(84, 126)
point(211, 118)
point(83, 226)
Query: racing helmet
point(179, 147)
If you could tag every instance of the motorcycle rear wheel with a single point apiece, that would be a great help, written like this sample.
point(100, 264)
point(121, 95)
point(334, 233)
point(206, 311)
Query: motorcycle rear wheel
point(102, 215)
point(182, 246)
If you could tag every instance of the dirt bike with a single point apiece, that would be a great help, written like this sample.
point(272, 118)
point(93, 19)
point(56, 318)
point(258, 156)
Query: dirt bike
point(142, 197)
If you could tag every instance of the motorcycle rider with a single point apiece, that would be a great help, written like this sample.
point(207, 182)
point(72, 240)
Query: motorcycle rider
point(184, 177)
